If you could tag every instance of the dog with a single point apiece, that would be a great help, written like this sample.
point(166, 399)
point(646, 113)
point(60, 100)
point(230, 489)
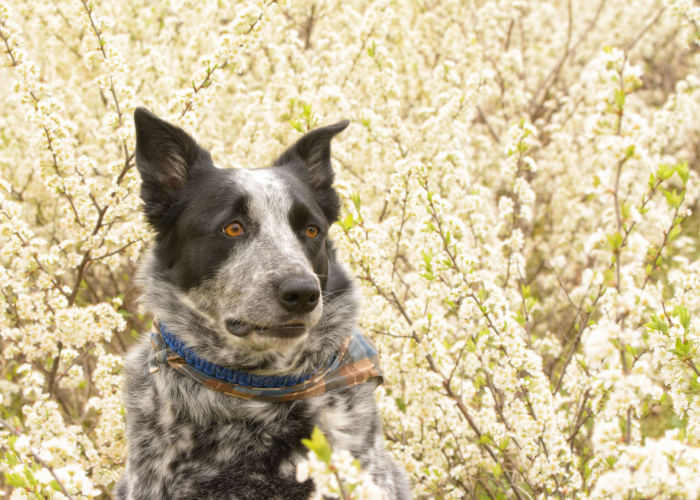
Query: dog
point(254, 315)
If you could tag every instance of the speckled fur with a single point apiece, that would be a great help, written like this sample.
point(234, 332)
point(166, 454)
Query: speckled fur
point(188, 441)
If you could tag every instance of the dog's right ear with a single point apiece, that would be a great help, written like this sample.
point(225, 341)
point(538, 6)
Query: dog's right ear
point(166, 156)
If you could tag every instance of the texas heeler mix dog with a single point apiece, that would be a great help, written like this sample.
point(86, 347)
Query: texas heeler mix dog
point(255, 338)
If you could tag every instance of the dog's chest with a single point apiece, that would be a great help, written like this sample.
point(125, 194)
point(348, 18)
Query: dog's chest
point(184, 455)
point(336, 420)
point(348, 418)
point(269, 433)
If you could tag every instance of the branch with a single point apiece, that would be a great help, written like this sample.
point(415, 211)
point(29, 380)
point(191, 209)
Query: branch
point(629, 45)
point(465, 412)
point(210, 71)
point(553, 75)
point(37, 458)
point(100, 41)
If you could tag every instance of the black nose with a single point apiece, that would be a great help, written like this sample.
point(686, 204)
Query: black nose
point(298, 294)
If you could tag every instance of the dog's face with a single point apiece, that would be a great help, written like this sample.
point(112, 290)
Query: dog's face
point(247, 249)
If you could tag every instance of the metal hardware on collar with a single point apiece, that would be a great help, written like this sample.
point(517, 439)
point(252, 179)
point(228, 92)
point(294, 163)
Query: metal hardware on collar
point(355, 363)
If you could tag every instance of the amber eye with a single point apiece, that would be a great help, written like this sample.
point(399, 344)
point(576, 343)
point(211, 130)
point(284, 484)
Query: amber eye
point(311, 231)
point(233, 229)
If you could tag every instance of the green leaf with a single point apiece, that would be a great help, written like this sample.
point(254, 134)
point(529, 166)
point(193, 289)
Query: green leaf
point(652, 181)
point(694, 383)
point(673, 233)
point(306, 111)
point(401, 404)
point(664, 172)
point(11, 459)
point(619, 98)
point(658, 324)
point(586, 470)
point(626, 210)
point(371, 50)
point(609, 278)
point(297, 126)
point(347, 222)
point(15, 480)
point(682, 349)
point(530, 303)
point(615, 241)
point(682, 171)
point(485, 439)
point(30, 476)
point(683, 316)
point(429, 274)
point(319, 445)
point(673, 199)
point(355, 197)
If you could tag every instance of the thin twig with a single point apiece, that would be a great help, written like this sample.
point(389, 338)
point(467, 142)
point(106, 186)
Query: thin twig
point(36, 457)
point(629, 45)
point(553, 75)
point(485, 120)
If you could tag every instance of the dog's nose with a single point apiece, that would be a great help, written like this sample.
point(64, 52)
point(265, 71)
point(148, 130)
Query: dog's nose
point(298, 294)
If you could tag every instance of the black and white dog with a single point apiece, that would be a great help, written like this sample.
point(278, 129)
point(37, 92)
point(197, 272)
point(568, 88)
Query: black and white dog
point(244, 276)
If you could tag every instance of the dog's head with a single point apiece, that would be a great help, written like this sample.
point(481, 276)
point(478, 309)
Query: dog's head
point(242, 259)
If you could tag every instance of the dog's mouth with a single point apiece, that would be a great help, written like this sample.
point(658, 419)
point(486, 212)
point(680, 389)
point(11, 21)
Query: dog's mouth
point(286, 330)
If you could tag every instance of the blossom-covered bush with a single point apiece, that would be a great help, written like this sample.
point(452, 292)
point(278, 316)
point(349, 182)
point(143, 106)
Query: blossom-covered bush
point(519, 186)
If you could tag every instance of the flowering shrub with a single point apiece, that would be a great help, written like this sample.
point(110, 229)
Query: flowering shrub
point(520, 182)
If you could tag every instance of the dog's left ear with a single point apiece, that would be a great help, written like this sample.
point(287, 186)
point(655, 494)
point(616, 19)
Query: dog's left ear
point(166, 157)
point(310, 160)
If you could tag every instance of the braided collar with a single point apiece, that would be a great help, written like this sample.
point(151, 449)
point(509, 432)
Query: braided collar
point(356, 362)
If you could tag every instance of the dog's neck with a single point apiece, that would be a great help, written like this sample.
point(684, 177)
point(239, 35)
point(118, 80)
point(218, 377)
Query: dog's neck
point(198, 330)
point(355, 363)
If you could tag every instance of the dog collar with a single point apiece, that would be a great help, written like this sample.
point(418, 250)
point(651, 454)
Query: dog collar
point(356, 362)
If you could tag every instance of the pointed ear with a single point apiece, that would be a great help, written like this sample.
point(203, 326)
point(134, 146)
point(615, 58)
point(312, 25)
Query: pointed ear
point(166, 156)
point(310, 160)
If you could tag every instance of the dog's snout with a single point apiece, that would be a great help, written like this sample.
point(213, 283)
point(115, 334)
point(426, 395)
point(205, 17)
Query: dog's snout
point(298, 294)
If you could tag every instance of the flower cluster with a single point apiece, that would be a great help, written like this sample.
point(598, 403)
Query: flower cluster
point(336, 474)
point(520, 185)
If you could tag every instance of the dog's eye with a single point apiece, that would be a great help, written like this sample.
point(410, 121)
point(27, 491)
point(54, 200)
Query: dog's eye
point(311, 231)
point(233, 229)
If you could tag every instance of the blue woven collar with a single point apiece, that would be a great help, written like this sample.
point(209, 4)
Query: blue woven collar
point(226, 374)
point(355, 362)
